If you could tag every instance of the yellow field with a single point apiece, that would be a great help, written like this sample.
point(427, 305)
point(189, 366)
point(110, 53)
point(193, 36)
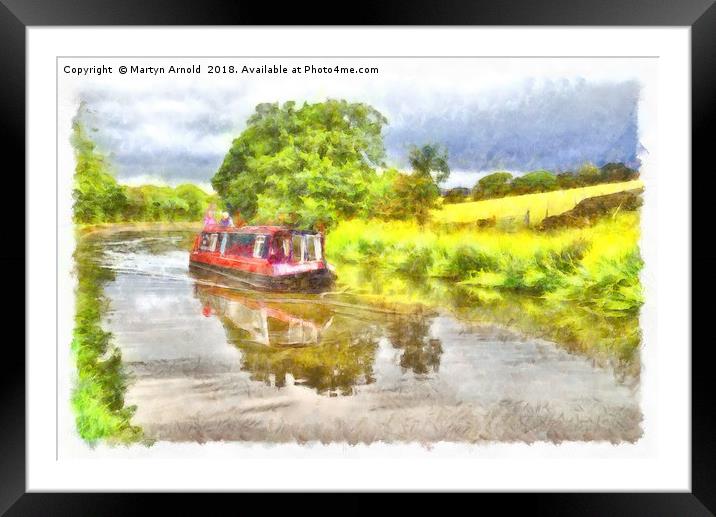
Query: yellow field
point(539, 205)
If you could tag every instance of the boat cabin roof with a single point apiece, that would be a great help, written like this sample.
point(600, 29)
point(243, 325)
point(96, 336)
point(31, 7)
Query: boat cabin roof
point(261, 230)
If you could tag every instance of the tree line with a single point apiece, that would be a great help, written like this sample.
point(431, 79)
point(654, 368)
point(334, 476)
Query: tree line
point(311, 165)
point(98, 198)
point(502, 184)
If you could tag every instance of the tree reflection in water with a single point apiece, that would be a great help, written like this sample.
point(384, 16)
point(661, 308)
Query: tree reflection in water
point(421, 353)
point(330, 368)
point(306, 341)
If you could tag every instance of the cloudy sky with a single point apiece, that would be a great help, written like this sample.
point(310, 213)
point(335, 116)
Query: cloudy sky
point(509, 114)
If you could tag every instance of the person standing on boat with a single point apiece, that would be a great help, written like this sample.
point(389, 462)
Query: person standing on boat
point(226, 220)
point(209, 215)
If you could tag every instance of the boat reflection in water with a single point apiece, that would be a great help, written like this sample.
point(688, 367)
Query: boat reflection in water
point(304, 339)
point(263, 323)
point(292, 341)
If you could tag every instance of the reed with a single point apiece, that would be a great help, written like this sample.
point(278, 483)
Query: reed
point(597, 266)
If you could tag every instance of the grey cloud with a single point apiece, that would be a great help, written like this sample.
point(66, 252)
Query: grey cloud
point(184, 133)
point(558, 126)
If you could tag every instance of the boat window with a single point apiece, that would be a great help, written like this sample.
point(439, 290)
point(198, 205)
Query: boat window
point(240, 244)
point(318, 252)
point(280, 247)
point(205, 240)
point(298, 247)
point(260, 246)
point(212, 241)
point(224, 238)
point(313, 247)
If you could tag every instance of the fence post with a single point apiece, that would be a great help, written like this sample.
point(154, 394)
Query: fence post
point(527, 219)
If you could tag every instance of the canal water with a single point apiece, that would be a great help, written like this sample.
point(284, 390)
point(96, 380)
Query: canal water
point(210, 360)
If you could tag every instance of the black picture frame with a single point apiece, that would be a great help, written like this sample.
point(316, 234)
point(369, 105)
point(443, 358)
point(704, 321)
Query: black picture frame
point(17, 15)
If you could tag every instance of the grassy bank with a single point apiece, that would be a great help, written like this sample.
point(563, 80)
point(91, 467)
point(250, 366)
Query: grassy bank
point(539, 205)
point(597, 266)
point(98, 394)
point(579, 286)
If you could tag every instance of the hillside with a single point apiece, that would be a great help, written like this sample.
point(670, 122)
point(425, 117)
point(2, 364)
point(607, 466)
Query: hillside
point(539, 205)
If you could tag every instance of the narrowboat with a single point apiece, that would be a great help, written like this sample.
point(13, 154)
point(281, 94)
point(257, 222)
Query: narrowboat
point(265, 257)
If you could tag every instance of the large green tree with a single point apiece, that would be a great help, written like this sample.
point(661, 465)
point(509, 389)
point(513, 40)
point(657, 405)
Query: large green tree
point(97, 196)
point(307, 165)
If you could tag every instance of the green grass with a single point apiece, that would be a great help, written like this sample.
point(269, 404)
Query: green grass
point(597, 266)
point(98, 394)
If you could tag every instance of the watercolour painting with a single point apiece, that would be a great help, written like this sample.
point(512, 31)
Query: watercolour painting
point(317, 251)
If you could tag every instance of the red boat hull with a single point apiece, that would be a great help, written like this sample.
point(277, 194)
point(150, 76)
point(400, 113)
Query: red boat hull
point(314, 280)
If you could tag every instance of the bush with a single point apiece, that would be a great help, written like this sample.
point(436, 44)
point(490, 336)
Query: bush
point(537, 181)
point(456, 195)
point(497, 184)
point(465, 260)
point(610, 285)
point(415, 196)
point(371, 249)
point(564, 260)
point(415, 261)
